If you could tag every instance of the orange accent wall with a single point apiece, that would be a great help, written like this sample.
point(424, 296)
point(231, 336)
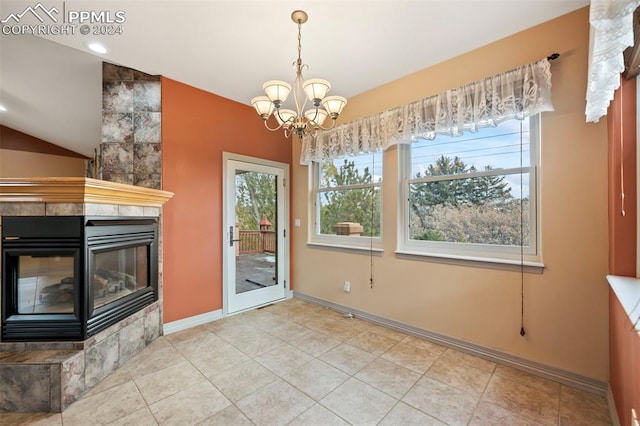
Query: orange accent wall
point(624, 343)
point(624, 361)
point(197, 127)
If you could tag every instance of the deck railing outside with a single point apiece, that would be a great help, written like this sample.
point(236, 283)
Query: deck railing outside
point(257, 242)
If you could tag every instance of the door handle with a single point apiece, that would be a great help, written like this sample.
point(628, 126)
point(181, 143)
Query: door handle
point(231, 240)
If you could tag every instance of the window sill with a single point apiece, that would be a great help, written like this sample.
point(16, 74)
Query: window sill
point(477, 262)
point(627, 290)
point(346, 248)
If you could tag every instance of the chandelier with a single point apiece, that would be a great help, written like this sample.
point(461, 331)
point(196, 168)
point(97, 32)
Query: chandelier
point(315, 89)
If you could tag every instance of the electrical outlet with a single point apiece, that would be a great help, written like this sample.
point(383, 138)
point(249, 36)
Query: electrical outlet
point(347, 287)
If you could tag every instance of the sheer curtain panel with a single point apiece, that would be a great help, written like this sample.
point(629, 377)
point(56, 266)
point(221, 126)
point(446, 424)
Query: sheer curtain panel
point(611, 33)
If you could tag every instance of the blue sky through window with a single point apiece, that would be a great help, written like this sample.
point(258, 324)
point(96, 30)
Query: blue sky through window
point(498, 147)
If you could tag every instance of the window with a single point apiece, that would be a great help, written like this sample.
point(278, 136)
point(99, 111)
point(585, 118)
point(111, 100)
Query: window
point(346, 200)
point(473, 196)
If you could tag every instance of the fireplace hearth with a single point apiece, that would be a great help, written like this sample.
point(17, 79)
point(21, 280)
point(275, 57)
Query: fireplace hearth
point(66, 278)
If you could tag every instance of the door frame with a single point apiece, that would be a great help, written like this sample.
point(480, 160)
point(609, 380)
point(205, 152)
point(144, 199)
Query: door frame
point(284, 256)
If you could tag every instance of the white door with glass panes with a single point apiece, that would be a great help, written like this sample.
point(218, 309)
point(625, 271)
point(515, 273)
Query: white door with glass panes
point(255, 212)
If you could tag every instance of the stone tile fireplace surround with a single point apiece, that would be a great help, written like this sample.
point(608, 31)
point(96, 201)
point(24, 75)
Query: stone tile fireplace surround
point(48, 376)
point(131, 148)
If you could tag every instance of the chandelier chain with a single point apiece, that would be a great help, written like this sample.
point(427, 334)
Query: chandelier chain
point(299, 44)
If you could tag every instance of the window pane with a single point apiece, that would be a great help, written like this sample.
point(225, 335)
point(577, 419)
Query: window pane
point(481, 210)
point(489, 148)
point(359, 206)
point(364, 168)
point(256, 195)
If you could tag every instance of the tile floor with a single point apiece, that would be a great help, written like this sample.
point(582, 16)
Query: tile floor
point(297, 363)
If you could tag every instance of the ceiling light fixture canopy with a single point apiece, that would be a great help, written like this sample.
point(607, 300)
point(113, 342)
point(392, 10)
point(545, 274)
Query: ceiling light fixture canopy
point(315, 89)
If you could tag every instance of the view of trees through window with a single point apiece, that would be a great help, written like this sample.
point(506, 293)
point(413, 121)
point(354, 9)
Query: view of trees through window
point(349, 191)
point(255, 199)
point(468, 189)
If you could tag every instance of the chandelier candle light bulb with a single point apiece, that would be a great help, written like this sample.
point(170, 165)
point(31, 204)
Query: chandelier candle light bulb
point(315, 89)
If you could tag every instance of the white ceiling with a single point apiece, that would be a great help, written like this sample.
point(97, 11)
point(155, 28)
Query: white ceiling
point(51, 86)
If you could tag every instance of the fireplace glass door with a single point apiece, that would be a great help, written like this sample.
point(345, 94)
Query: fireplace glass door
point(70, 277)
point(45, 283)
point(118, 273)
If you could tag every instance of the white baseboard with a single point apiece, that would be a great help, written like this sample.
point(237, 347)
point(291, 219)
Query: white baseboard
point(552, 373)
point(183, 324)
point(615, 421)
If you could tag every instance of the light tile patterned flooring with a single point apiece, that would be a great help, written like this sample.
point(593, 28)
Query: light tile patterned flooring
point(297, 363)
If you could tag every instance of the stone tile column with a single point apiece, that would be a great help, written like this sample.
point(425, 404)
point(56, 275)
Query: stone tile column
point(131, 148)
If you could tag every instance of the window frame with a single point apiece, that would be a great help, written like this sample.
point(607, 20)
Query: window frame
point(315, 238)
point(529, 256)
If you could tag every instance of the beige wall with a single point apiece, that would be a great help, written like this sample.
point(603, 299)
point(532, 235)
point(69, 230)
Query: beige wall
point(566, 306)
point(22, 164)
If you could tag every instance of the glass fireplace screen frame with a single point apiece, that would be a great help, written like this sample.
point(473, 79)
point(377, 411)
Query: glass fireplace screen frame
point(46, 281)
point(28, 239)
point(104, 236)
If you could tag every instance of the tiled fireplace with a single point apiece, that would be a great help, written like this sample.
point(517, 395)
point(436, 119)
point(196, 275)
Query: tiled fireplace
point(81, 285)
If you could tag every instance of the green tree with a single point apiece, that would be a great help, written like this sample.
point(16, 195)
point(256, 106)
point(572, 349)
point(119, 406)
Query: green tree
point(472, 191)
point(443, 191)
point(255, 199)
point(478, 209)
point(360, 205)
point(486, 189)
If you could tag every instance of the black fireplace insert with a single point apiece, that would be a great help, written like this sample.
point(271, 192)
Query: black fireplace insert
point(69, 277)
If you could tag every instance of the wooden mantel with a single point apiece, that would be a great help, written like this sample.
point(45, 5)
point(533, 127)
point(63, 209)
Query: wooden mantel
point(79, 190)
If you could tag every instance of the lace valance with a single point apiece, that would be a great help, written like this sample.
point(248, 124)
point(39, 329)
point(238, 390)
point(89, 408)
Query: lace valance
point(517, 93)
point(611, 33)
